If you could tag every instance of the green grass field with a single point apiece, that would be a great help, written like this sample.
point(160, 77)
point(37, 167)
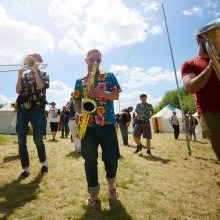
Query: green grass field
point(169, 185)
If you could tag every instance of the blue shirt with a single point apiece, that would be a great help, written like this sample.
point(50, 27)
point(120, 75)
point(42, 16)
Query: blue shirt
point(104, 113)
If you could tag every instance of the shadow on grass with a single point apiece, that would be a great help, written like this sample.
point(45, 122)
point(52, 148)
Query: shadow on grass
point(116, 211)
point(206, 159)
point(155, 158)
point(74, 154)
point(15, 195)
point(10, 158)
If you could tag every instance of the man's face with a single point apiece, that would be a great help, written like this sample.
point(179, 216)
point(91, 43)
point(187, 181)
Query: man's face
point(143, 98)
point(53, 105)
point(93, 56)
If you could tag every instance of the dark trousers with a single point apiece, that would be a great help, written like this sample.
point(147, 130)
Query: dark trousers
point(64, 128)
point(107, 138)
point(124, 132)
point(176, 131)
point(37, 118)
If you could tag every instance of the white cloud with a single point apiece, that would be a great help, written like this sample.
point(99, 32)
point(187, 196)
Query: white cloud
point(88, 25)
point(197, 11)
point(153, 6)
point(132, 98)
point(137, 77)
point(211, 4)
point(120, 71)
point(22, 7)
point(18, 38)
point(59, 93)
point(156, 29)
point(4, 99)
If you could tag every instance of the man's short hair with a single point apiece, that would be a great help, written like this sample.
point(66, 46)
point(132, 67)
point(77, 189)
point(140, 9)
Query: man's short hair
point(37, 56)
point(94, 50)
point(130, 107)
point(53, 103)
point(143, 95)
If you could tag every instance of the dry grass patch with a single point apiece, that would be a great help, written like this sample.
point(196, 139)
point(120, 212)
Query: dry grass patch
point(169, 185)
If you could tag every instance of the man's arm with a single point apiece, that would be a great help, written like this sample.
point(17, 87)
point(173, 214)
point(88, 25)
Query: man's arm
point(195, 83)
point(40, 83)
point(77, 106)
point(96, 93)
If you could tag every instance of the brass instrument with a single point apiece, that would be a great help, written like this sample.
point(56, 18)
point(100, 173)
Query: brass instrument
point(211, 32)
point(28, 64)
point(14, 105)
point(88, 105)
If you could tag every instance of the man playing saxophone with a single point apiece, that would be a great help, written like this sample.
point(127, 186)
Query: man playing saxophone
point(101, 124)
point(199, 77)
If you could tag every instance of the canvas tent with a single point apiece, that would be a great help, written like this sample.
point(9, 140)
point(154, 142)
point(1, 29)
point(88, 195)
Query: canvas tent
point(8, 120)
point(160, 120)
point(7, 116)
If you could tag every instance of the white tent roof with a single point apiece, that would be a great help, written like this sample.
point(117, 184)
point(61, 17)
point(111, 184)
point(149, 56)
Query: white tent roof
point(7, 108)
point(166, 112)
point(7, 116)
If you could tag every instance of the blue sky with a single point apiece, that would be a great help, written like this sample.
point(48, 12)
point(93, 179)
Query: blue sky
point(130, 34)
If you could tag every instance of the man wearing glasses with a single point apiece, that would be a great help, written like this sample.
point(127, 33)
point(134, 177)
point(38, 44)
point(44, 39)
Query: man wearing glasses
point(101, 126)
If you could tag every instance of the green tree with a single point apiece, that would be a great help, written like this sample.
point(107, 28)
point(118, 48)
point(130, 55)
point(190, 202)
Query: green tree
point(1, 105)
point(171, 97)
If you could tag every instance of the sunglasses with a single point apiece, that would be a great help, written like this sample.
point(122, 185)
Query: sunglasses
point(92, 60)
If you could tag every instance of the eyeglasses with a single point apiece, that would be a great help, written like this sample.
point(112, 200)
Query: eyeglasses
point(92, 60)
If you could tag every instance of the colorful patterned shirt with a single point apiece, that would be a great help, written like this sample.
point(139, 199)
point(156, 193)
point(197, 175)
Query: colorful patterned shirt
point(144, 110)
point(104, 113)
point(30, 92)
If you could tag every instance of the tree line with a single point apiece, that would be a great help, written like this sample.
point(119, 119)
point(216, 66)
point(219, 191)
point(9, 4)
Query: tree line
point(171, 97)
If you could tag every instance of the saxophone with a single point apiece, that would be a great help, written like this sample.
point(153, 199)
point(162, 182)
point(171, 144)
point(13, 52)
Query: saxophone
point(88, 105)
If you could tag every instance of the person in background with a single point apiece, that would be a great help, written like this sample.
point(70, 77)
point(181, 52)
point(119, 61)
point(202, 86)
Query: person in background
point(175, 124)
point(200, 78)
point(143, 112)
point(64, 115)
point(54, 120)
point(31, 103)
point(186, 117)
point(191, 127)
point(72, 125)
point(124, 123)
point(100, 129)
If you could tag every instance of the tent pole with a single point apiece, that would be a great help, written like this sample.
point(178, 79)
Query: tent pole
point(178, 90)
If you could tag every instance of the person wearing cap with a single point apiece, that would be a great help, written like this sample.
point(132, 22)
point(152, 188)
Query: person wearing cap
point(175, 124)
point(124, 123)
point(199, 78)
point(143, 112)
point(54, 120)
point(31, 103)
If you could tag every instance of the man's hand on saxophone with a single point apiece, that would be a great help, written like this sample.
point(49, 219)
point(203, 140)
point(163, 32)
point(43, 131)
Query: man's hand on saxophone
point(97, 93)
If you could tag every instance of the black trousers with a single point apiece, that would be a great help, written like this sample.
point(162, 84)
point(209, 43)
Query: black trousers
point(176, 131)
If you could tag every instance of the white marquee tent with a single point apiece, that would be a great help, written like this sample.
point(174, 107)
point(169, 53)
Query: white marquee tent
point(160, 120)
point(8, 120)
point(7, 116)
point(198, 129)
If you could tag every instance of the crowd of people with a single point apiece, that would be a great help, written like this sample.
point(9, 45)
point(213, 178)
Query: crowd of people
point(198, 75)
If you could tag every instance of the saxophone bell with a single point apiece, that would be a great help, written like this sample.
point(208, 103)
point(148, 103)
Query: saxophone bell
point(89, 105)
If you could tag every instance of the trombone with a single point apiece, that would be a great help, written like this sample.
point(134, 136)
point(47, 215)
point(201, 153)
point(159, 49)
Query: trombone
point(28, 64)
